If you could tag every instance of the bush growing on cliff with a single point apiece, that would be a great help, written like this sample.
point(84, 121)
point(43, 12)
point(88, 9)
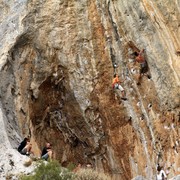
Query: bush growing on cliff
point(71, 166)
point(53, 171)
point(50, 171)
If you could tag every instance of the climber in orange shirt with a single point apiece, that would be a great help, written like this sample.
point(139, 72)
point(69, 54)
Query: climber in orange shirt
point(117, 85)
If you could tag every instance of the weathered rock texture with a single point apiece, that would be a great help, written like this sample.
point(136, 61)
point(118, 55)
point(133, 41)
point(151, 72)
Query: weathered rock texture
point(56, 61)
point(12, 163)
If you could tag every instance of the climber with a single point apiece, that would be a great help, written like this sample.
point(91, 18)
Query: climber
point(116, 85)
point(139, 57)
point(161, 174)
point(27, 149)
point(23, 144)
point(47, 152)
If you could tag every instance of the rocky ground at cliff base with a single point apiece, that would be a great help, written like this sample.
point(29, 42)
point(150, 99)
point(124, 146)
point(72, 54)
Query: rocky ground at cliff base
point(12, 164)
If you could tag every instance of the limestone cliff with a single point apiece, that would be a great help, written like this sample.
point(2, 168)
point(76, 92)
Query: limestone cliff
point(57, 63)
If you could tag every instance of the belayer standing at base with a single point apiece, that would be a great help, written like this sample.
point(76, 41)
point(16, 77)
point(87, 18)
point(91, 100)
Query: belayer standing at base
point(161, 175)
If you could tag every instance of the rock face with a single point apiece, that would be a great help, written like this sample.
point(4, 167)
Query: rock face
point(12, 163)
point(57, 63)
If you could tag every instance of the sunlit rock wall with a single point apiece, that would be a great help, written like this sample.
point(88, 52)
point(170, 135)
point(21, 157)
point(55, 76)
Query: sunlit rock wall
point(56, 61)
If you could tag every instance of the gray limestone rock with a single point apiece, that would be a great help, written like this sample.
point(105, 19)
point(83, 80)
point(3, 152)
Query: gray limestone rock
point(56, 66)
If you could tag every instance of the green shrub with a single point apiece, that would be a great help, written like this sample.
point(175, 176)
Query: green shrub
point(71, 166)
point(50, 171)
point(53, 171)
